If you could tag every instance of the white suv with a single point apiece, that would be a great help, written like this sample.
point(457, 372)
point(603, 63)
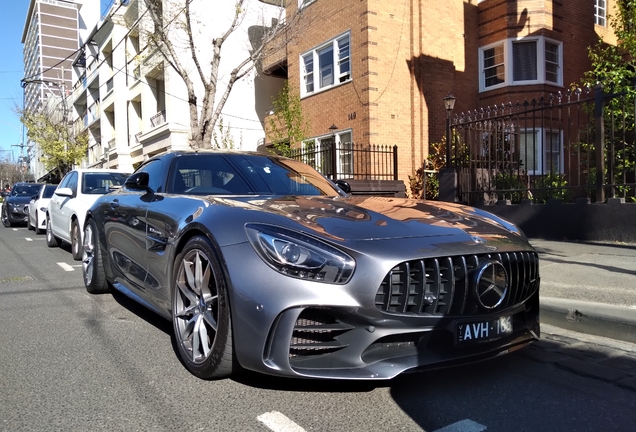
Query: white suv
point(77, 191)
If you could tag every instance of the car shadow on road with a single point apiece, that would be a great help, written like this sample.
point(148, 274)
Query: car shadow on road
point(142, 312)
point(612, 269)
point(557, 383)
point(261, 381)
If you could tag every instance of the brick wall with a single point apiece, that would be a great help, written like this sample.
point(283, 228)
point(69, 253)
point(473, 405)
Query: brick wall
point(407, 55)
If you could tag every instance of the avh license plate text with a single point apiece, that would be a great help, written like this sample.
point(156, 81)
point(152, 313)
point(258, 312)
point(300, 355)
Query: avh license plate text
point(483, 330)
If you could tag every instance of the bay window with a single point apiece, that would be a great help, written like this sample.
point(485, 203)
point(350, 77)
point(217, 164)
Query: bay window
point(534, 60)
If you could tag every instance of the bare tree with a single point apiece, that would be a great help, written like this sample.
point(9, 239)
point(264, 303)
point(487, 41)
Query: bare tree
point(178, 35)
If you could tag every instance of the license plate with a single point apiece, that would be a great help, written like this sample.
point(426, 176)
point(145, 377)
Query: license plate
point(483, 330)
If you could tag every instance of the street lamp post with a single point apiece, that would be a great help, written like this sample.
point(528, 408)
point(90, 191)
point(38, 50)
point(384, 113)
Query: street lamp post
point(449, 104)
point(448, 185)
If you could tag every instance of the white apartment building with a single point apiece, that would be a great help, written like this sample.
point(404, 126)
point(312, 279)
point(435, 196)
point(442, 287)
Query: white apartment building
point(53, 32)
point(133, 103)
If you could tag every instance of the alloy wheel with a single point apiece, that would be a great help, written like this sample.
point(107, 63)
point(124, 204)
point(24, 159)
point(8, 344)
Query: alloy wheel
point(88, 255)
point(197, 306)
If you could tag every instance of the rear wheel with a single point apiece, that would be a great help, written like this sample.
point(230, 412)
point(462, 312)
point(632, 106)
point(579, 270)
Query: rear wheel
point(51, 240)
point(92, 263)
point(201, 312)
point(76, 247)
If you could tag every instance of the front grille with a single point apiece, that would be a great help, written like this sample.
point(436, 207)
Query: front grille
point(444, 285)
point(315, 333)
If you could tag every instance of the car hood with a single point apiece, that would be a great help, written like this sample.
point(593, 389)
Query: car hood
point(18, 199)
point(372, 218)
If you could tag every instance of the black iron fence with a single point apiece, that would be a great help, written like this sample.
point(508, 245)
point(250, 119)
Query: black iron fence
point(580, 144)
point(350, 161)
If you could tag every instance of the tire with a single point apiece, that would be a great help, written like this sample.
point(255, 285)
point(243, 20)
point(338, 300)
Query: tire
point(196, 264)
point(76, 246)
point(92, 262)
point(5, 217)
point(51, 240)
point(37, 228)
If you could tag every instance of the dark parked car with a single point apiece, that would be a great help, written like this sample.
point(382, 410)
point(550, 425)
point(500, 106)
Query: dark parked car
point(261, 262)
point(15, 207)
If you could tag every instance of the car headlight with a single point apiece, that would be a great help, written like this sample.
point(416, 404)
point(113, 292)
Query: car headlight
point(300, 256)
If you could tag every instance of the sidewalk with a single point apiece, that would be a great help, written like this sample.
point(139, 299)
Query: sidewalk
point(589, 287)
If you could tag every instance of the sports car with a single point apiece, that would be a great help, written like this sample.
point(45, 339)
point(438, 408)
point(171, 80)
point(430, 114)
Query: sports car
point(262, 263)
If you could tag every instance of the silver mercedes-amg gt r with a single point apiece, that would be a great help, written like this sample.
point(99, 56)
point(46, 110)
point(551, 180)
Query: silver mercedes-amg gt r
point(260, 262)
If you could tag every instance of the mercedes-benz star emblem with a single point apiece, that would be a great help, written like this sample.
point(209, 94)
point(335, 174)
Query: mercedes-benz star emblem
point(491, 284)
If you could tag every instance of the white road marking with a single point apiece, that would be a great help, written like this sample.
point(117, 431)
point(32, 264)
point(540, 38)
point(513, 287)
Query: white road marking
point(28, 239)
point(65, 266)
point(278, 422)
point(34, 239)
point(463, 426)
point(15, 229)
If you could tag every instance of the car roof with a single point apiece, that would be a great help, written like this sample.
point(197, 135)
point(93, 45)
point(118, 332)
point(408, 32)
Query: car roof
point(99, 170)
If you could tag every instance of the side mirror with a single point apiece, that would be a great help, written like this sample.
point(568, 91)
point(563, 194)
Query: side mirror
point(64, 192)
point(342, 184)
point(138, 181)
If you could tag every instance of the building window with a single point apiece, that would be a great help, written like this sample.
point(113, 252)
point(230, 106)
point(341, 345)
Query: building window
point(600, 10)
point(326, 66)
point(515, 62)
point(317, 152)
point(524, 61)
point(494, 68)
point(541, 151)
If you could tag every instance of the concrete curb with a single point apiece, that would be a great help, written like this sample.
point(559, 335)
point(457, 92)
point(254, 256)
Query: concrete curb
point(616, 322)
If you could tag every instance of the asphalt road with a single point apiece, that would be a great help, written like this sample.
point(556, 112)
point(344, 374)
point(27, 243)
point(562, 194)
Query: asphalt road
point(70, 361)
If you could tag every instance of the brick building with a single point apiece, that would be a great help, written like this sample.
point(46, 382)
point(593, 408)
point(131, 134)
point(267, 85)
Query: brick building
point(378, 70)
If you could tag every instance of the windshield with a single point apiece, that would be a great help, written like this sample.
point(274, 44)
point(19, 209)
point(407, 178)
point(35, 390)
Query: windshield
point(100, 182)
point(26, 190)
point(238, 174)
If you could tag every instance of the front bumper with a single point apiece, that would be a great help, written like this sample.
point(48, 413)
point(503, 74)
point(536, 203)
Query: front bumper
point(356, 346)
point(288, 327)
point(18, 214)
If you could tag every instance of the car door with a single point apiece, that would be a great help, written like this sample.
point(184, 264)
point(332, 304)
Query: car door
point(67, 208)
point(58, 206)
point(168, 213)
point(125, 231)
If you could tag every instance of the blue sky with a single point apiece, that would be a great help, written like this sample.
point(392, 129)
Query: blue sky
point(11, 71)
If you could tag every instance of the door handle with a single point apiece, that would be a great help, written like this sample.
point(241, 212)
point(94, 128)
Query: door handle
point(114, 203)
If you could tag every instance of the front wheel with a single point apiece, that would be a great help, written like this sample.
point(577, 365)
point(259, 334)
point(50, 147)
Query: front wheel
point(92, 263)
point(76, 247)
point(51, 240)
point(5, 217)
point(29, 224)
point(201, 312)
point(37, 224)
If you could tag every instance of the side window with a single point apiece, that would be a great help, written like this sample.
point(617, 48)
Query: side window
point(65, 180)
point(155, 175)
point(72, 182)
